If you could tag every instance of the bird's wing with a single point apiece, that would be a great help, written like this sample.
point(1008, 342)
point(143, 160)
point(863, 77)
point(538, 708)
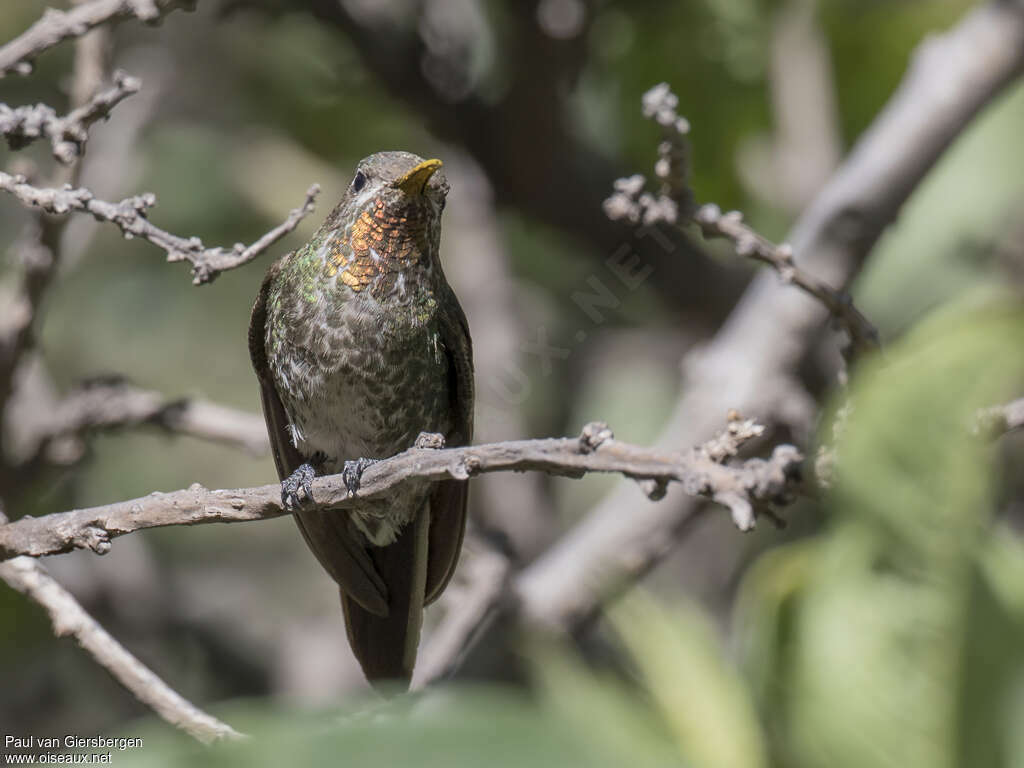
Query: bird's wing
point(327, 534)
point(448, 499)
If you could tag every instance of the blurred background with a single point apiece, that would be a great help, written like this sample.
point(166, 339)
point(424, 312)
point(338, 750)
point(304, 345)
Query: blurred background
point(883, 626)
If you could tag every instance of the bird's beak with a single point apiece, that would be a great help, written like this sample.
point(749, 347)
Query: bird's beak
point(415, 180)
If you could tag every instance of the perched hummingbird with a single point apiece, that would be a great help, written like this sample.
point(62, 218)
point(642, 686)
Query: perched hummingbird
point(360, 344)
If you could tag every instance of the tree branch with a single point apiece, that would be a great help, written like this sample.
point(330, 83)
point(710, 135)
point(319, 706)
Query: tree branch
point(30, 578)
point(40, 254)
point(114, 403)
point(674, 205)
point(703, 471)
point(41, 246)
point(750, 362)
point(747, 242)
point(130, 216)
point(23, 125)
point(470, 613)
point(490, 593)
point(494, 595)
point(56, 26)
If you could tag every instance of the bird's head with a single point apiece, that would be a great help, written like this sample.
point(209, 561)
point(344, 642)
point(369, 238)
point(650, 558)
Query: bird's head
point(388, 223)
point(395, 181)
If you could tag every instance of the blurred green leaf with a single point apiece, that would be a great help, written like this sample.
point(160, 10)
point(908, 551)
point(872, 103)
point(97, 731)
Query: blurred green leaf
point(881, 643)
point(766, 607)
point(1002, 566)
point(702, 698)
point(600, 707)
point(447, 728)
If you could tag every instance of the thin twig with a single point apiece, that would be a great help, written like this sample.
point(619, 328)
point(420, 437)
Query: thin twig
point(130, 216)
point(742, 487)
point(749, 243)
point(29, 577)
point(673, 204)
point(56, 26)
point(68, 134)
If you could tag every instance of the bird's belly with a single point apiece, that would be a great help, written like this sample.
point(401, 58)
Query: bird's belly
point(373, 405)
point(372, 408)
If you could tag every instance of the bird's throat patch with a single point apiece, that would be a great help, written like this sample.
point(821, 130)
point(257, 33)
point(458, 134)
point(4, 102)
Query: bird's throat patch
point(381, 244)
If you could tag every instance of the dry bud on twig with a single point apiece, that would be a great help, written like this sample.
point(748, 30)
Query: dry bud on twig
point(23, 125)
point(674, 205)
point(130, 216)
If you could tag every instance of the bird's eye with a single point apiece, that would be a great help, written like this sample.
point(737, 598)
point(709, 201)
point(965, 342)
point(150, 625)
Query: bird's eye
point(359, 181)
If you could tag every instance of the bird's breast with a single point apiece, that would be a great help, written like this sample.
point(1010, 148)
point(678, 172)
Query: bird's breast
point(359, 384)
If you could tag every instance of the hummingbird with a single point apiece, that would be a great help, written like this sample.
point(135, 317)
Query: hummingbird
point(360, 345)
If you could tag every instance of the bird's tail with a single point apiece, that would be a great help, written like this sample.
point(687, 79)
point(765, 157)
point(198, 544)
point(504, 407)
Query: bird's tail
point(386, 646)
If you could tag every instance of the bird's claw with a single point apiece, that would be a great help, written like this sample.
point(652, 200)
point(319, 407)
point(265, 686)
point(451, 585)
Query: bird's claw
point(300, 479)
point(352, 474)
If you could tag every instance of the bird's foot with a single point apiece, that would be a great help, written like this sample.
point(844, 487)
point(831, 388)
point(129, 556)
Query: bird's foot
point(300, 479)
point(352, 474)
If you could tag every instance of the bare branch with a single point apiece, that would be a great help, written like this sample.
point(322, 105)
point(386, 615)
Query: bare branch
point(114, 403)
point(751, 360)
point(749, 243)
point(493, 594)
point(673, 204)
point(29, 577)
point(742, 487)
point(470, 611)
point(130, 216)
point(23, 125)
point(56, 26)
point(40, 247)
